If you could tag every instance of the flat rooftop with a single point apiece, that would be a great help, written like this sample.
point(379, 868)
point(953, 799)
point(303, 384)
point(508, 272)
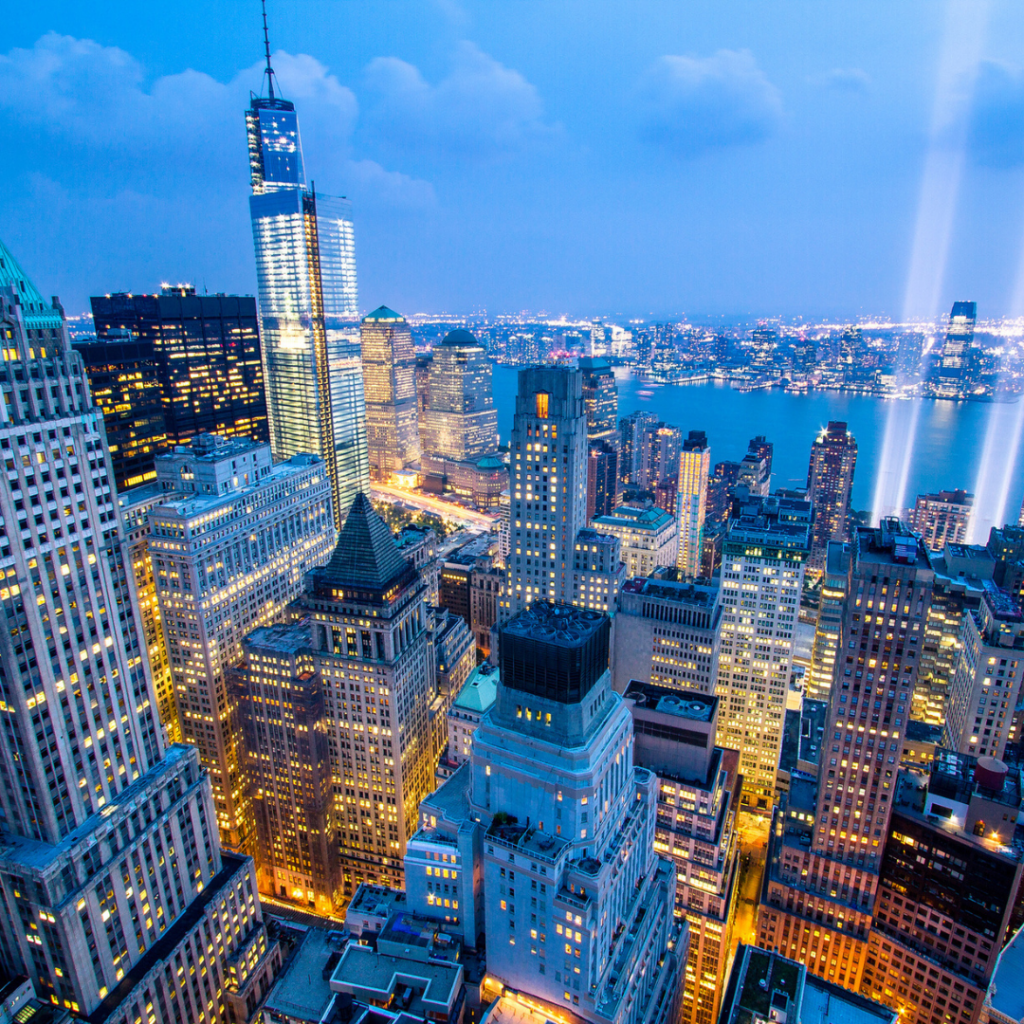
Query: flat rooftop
point(698, 707)
point(1006, 990)
point(696, 594)
point(301, 990)
point(282, 638)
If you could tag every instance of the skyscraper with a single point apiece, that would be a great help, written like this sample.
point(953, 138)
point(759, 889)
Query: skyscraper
point(692, 498)
point(203, 353)
point(389, 384)
point(633, 447)
point(828, 626)
point(602, 478)
point(763, 562)
point(306, 276)
point(829, 482)
point(601, 398)
point(112, 880)
point(942, 518)
point(460, 421)
point(949, 373)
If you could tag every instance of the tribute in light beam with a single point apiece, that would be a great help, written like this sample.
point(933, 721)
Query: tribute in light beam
point(997, 470)
point(894, 468)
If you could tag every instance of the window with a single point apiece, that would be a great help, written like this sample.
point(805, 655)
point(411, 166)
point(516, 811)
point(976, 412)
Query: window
point(542, 405)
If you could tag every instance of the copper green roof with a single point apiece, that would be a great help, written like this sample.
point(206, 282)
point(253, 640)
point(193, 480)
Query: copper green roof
point(460, 336)
point(366, 554)
point(480, 690)
point(36, 311)
point(383, 313)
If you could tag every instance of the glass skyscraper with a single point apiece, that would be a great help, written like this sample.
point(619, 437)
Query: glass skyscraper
point(306, 275)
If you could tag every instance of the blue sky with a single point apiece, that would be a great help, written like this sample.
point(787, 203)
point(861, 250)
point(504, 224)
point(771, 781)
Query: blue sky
point(718, 159)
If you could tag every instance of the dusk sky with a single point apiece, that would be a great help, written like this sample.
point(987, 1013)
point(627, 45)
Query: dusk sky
point(722, 159)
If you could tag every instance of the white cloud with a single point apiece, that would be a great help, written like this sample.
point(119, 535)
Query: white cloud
point(693, 104)
point(846, 80)
point(481, 110)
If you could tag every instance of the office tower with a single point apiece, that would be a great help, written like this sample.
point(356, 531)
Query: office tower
point(453, 656)
point(112, 880)
point(552, 857)
point(829, 482)
point(950, 371)
point(754, 474)
point(986, 682)
point(823, 876)
point(486, 588)
point(280, 702)
point(649, 537)
point(548, 505)
point(667, 633)
point(136, 503)
point(828, 626)
point(664, 444)
point(306, 280)
point(124, 380)
point(598, 573)
point(389, 383)
point(230, 545)
point(460, 421)
point(698, 790)
point(764, 341)
point(601, 398)
point(942, 518)
point(370, 645)
point(762, 449)
point(472, 702)
point(692, 498)
point(602, 478)
point(721, 483)
point(424, 362)
point(763, 561)
point(633, 447)
point(761, 978)
point(205, 355)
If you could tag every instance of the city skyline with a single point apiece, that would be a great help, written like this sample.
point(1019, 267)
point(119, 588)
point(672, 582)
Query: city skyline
point(728, 102)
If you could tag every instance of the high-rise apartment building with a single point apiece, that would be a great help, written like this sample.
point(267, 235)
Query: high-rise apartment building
point(125, 383)
point(552, 858)
point(828, 626)
point(306, 277)
point(230, 546)
point(763, 562)
point(698, 791)
point(949, 373)
point(633, 447)
point(664, 444)
point(649, 537)
point(389, 383)
point(942, 518)
point(459, 421)
point(371, 648)
point(112, 881)
point(601, 398)
point(203, 353)
point(692, 498)
point(548, 468)
point(829, 482)
point(986, 684)
point(721, 484)
point(602, 478)
point(667, 633)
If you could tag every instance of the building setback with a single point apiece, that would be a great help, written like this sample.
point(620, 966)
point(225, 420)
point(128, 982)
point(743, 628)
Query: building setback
point(112, 882)
point(649, 537)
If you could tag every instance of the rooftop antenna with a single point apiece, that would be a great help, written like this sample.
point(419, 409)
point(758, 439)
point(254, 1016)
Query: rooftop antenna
point(266, 47)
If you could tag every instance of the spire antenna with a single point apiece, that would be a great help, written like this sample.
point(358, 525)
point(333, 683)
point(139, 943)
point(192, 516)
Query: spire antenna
point(266, 47)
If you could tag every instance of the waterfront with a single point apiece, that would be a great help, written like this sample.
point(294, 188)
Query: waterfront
point(949, 442)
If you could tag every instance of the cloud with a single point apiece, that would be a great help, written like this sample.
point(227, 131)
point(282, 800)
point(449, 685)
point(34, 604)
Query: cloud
point(846, 80)
point(690, 105)
point(481, 111)
point(996, 127)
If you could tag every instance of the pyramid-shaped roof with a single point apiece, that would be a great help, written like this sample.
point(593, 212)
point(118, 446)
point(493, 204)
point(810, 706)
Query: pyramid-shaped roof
point(35, 309)
point(383, 313)
point(366, 554)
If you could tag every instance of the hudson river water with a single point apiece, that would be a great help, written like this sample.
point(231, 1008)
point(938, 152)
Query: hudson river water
point(948, 451)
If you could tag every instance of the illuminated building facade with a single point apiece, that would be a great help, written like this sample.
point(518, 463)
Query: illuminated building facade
point(763, 562)
point(125, 383)
point(389, 384)
point(112, 882)
point(601, 398)
point(698, 791)
point(306, 276)
point(986, 682)
point(602, 478)
point(459, 421)
point(278, 696)
point(949, 376)
point(633, 448)
point(692, 498)
point(828, 626)
point(667, 633)
point(942, 518)
point(230, 546)
point(598, 571)
point(829, 483)
point(552, 857)
point(649, 537)
point(371, 649)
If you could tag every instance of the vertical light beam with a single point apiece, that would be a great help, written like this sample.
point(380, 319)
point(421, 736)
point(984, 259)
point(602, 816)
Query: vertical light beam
point(996, 471)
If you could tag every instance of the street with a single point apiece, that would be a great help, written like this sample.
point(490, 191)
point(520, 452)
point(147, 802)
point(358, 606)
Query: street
point(752, 835)
point(429, 503)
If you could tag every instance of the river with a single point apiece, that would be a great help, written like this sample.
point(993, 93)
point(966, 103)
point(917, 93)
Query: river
point(950, 439)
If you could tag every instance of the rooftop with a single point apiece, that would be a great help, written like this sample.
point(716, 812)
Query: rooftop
point(666, 590)
point(301, 991)
point(698, 707)
point(384, 314)
point(480, 689)
point(282, 638)
point(565, 624)
point(366, 554)
point(635, 517)
point(1006, 991)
